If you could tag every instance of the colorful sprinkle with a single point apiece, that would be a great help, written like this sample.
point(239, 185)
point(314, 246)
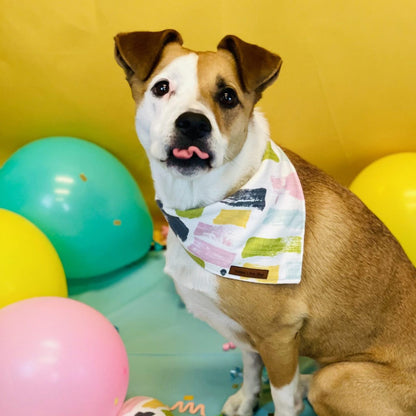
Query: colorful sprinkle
point(236, 372)
point(189, 407)
point(229, 346)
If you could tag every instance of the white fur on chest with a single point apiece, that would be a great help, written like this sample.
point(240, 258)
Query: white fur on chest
point(198, 290)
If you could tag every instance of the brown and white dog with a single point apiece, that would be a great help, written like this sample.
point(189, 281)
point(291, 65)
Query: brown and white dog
point(355, 308)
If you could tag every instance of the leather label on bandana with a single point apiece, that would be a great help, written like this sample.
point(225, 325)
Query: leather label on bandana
point(248, 272)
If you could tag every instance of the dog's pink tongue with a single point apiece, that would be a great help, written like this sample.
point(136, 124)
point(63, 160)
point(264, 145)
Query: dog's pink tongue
point(189, 152)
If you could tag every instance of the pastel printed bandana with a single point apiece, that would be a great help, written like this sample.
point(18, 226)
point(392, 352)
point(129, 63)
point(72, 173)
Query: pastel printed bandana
point(255, 234)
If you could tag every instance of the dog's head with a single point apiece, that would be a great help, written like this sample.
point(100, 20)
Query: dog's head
point(193, 108)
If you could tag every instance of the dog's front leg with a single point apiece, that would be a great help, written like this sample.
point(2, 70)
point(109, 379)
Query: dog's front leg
point(245, 400)
point(280, 356)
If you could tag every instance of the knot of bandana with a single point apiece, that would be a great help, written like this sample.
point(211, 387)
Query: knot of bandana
point(255, 234)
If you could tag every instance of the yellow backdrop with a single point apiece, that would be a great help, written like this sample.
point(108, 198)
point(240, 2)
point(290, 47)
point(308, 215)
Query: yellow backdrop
point(345, 97)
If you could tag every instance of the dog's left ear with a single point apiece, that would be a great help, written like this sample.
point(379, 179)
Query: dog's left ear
point(257, 67)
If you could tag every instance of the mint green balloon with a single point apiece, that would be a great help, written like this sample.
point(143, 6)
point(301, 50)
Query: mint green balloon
point(83, 199)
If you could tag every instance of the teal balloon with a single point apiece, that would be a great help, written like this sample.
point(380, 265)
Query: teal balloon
point(83, 199)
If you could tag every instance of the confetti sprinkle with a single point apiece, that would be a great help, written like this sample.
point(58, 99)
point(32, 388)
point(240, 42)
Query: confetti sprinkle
point(236, 372)
point(189, 407)
point(229, 346)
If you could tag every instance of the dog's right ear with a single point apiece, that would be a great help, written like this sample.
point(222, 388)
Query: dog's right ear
point(138, 53)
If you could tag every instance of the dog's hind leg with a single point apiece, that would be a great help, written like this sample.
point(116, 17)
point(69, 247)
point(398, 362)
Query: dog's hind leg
point(245, 400)
point(362, 389)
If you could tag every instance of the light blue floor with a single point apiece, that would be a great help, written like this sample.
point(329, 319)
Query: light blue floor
point(171, 354)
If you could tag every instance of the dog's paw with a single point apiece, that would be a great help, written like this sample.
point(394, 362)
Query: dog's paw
point(295, 409)
point(240, 404)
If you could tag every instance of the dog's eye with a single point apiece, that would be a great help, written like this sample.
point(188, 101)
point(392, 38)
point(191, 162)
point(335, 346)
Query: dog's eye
point(161, 88)
point(228, 98)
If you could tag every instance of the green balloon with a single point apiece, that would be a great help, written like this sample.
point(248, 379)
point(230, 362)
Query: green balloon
point(83, 199)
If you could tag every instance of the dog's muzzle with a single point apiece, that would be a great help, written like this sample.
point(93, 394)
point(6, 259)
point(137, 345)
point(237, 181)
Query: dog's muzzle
point(189, 152)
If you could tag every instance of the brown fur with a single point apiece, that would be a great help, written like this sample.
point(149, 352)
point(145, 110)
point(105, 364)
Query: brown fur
point(354, 311)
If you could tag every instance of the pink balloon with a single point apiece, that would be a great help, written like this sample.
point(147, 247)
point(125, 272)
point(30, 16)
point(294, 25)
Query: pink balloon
point(60, 357)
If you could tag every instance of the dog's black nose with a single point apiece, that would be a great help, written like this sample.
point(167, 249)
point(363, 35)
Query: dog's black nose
point(193, 125)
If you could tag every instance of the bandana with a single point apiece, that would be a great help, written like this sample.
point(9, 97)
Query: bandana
point(255, 234)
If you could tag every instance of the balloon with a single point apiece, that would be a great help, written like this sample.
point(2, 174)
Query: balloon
point(143, 405)
point(388, 188)
point(60, 357)
point(83, 199)
point(29, 264)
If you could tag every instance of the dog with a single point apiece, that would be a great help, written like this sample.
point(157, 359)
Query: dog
point(353, 310)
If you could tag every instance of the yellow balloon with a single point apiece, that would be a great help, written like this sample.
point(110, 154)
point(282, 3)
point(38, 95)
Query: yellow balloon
point(388, 188)
point(29, 264)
